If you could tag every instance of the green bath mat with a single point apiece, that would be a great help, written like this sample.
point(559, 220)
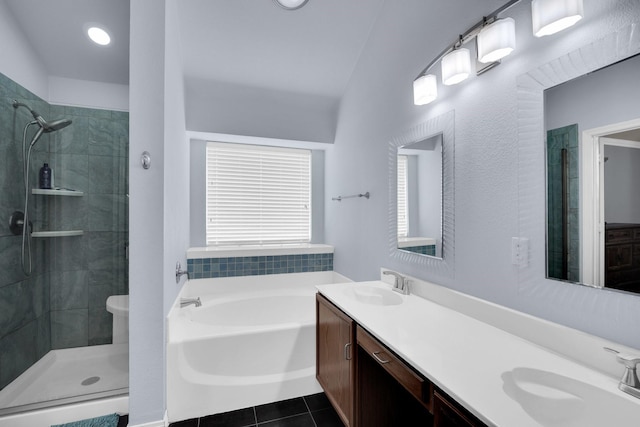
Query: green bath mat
point(103, 421)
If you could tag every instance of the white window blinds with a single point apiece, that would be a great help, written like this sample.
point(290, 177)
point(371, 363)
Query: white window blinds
point(402, 197)
point(257, 194)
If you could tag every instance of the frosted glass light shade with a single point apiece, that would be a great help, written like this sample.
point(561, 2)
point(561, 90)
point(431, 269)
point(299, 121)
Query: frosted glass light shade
point(425, 89)
point(291, 4)
point(497, 40)
point(456, 66)
point(551, 16)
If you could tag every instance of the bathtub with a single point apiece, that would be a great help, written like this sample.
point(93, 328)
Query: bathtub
point(251, 342)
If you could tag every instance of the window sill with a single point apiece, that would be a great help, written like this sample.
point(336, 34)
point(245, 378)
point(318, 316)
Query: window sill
point(258, 250)
point(408, 242)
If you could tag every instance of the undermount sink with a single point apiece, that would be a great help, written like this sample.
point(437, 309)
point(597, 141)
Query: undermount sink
point(556, 400)
point(374, 295)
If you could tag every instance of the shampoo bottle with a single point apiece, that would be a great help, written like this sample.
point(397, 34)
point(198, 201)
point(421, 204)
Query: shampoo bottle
point(45, 176)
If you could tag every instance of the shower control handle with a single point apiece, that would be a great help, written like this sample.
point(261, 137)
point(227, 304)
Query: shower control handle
point(181, 272)
point(16, 223)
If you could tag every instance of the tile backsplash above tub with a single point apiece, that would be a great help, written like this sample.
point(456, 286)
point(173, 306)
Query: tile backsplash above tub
point(203, 263)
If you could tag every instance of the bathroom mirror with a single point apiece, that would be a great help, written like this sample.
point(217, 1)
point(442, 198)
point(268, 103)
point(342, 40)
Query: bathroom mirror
point(421, 162)
point(578, 140)
point(592, 126)
point(419, 189)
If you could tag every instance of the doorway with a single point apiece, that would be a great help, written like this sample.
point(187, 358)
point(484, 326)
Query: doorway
point(610, 202)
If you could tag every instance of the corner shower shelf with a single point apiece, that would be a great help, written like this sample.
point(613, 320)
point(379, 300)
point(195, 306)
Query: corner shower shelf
point(57, 192)
point(66, 233)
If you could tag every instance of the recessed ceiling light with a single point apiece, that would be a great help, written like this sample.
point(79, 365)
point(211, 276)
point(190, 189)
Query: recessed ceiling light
point(291, 4)
point(99, 35)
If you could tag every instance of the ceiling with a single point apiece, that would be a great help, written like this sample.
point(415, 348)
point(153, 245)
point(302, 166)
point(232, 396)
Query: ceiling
point(55, 30)
point(630, 135)
point(256, 43)
point(249, 43)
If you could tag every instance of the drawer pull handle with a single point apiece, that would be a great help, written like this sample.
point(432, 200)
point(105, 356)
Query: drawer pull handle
point(347, 353)
point(375, 355)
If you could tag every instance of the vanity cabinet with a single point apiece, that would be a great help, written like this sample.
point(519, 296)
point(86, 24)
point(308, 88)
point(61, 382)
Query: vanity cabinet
point(389, 392)
point(371, 386)
point(335, 358)
point(622, 256)
point(448, 413)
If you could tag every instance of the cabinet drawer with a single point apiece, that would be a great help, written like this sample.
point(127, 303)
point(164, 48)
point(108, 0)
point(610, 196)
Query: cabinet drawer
point(420, 388)
point(619, 235)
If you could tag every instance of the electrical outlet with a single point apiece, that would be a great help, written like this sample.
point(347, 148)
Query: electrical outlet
point(520, 251)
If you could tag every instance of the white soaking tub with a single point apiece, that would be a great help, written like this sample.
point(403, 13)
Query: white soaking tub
point(251, 342)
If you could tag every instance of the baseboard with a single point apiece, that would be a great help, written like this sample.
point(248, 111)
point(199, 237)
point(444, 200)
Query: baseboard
point(159, 423)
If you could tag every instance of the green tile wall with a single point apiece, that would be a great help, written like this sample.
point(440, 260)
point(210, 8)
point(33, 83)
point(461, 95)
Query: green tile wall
point(558, 139)
point(422, 250)
point(62, 304)
point(205, 268)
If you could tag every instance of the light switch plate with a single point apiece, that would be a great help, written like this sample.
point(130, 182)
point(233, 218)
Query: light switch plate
point(520, 251)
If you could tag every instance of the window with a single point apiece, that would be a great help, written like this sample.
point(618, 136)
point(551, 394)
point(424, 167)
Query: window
point(402, 197)
point(257, 194)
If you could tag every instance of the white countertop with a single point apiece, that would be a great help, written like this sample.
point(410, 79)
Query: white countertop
point(474, 363)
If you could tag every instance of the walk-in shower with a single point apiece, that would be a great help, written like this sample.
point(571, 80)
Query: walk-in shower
point(63, 255)
point(19, 219)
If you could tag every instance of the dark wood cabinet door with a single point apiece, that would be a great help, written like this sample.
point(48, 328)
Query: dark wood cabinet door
point(335, 361)
point(446, 413)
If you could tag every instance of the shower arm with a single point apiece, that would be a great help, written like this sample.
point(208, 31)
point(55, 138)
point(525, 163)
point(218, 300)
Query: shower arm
point(38, 118)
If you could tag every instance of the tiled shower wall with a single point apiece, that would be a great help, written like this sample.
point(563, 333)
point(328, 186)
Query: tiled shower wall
point(558, 139)
point(63, 303)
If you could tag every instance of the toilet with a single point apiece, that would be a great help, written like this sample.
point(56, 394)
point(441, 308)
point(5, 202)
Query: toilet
point(118, 305)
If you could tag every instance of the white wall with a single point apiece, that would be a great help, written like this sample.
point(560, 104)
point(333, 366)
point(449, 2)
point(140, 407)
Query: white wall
point(146, 213)
point(430, 200)
point(18, 60)
point(88, 94)
point(241, 110)
point(176, 151)
point(486, 162)
point(605, 97)
point(159, 207)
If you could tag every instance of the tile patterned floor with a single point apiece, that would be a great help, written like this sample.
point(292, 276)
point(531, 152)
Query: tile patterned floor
point(308, 411)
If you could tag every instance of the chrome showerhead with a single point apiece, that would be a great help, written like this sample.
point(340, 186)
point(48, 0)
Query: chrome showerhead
point(45, 126)
point(55, 125)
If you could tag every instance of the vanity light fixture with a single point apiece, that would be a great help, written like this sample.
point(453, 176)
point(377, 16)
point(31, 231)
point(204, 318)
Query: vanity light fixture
point(551, 16)
point(99, 35)
point(456, 66)
point(495, 38)
point(425, 89)
point(291, 4)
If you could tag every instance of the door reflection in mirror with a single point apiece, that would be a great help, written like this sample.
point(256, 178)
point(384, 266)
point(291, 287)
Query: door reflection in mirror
point(420, 196)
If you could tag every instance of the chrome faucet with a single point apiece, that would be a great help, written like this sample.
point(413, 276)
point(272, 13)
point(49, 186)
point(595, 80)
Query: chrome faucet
point(629, 383)
point(188, 301)
point(401, 283)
